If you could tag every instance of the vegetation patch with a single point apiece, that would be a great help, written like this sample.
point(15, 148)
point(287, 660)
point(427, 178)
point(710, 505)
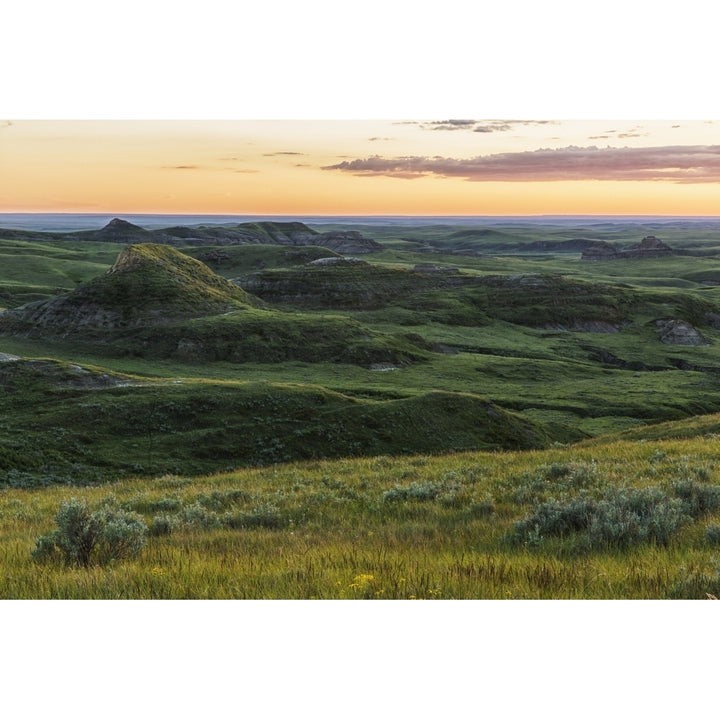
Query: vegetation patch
point(83, 537)
point(621, 517)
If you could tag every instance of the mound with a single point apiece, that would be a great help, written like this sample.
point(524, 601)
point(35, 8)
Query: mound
point(269, 336)
point(148, 284)
point(156, 302)
point(118, 230)
point(338, 283)
point(700, 425)
point(557, 302)
point(72, 425)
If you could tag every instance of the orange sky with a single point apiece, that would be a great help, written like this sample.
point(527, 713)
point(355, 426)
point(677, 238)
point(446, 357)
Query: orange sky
point(405, 167)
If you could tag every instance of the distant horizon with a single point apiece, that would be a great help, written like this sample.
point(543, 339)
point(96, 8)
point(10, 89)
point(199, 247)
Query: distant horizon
point(70, 222)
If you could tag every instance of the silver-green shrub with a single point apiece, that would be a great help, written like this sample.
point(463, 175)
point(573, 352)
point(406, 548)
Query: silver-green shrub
point(83, 536)
point(712, 534)
point(697, 498)
point(623, 516)
point(423, 491)
point(164, 524)
point(627, 516)
point(122, 533)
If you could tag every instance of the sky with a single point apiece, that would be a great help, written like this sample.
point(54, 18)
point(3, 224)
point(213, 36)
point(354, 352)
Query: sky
point(439, 165)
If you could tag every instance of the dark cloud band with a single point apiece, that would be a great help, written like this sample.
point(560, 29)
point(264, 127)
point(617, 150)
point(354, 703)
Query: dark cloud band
point(679, 163)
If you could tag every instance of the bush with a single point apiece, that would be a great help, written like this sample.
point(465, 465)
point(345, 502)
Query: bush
point(199, 516)
point(122, 534)
point(622, 517)
point(482, 509)
point(164, 524)
point(556, 518)
point(82, 536)
point(422, 491)
point(265, 515)
point(698, 498)
point(712, 534)
point(628, 516)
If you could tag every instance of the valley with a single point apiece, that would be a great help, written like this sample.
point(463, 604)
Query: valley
point(317, 371)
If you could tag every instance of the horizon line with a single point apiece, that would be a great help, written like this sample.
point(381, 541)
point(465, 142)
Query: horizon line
point(356, 215)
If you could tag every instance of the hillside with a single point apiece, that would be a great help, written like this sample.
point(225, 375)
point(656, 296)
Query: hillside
point(288, 420)
point(561, 343)
point(272, 233)
point(148, 284)
point(72, 424)
point(157, 302)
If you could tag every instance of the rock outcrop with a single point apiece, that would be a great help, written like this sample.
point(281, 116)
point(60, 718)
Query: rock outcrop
point(678, 332)
point(648, 247)
point(147, 285)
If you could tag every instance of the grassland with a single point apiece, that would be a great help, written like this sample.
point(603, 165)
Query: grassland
point(461, 415)
point(387, 527)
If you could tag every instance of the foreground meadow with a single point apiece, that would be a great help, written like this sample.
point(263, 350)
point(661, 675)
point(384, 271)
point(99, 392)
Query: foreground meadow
point(622, 520)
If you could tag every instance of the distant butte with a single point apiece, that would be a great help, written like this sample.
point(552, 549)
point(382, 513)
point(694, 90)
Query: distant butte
point(648, 247)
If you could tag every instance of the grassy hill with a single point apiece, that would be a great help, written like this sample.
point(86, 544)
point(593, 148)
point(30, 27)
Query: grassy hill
point(71, 424)
point(618, 521)
point(157, 302)
point(439, 419)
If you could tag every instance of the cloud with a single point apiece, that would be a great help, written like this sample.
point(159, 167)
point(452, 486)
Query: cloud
point(274, 154)
point(373, 139)
point(450, 124)
point(483, 126)
point(632, 135)
point(181, 167)
point(493, 127)
point(674, 163)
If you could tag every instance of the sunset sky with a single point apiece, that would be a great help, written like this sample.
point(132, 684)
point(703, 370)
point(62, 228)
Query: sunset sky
point(435, 166)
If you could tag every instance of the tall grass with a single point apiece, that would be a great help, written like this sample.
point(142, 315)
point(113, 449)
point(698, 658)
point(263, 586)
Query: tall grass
point(383, 528)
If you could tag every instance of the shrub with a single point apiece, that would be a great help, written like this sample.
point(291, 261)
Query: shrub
point(164, 524)
point(481, 509)
point(622, 517)
point(531, 487)
point(423, 491)
point(697, 498)
point(197, 514)
point(626, 516)
point(712, 534)
point(219, 500)
point(265, 515)
point(122, 533)
point(555, 518)
point(82, 536)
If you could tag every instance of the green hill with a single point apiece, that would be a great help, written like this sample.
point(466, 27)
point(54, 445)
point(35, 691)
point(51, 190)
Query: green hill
point(156, 302)
point(70, 424)
point(148, 284)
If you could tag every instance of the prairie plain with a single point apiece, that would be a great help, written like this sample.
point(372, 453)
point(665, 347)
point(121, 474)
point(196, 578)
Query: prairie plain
point(517, 410)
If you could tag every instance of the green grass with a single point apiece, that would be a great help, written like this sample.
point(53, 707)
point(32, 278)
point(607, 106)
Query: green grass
point(71, 425)
point(379, 432)
point(382, 527)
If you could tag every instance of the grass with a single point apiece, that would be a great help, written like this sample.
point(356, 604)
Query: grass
point(271, 458)
point(392, 528)
point(66, 424)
